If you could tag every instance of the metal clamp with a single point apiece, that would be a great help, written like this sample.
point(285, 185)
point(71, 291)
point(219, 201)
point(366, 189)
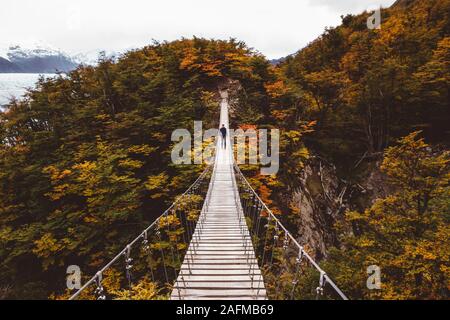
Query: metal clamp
point(99, 291)
point(322, 282)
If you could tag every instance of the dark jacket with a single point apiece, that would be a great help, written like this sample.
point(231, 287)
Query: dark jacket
point(223, 131)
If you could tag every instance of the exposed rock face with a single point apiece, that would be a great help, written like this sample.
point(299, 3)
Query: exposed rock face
point(319, 205)
point(323, 198)
point(375, 185)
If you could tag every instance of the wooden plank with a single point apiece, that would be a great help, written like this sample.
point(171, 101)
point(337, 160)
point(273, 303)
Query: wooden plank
point(211, 285)
point(220, 262)
point(205, 265)
point(218, 271)
point(219, 298)
point(229, 254)
point(222, 246)
point(221, 278)
point(222, 292)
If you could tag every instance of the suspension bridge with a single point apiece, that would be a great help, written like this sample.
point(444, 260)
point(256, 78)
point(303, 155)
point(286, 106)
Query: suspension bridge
point(218, 241)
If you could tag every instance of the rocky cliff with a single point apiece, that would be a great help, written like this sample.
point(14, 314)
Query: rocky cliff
point(324, 197)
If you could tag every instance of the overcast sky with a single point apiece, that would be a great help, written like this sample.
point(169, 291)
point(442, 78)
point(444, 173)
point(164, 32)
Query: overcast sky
point(276, 28)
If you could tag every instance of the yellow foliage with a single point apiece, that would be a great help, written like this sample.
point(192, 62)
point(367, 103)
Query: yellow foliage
point(46, 246)
point(279, 115)
point(90, 219)
point(189, 60)
point(405, 233)
point(55, 173)
point(130, 164)
point(143, 290)
point(276, 89)
point(157, 184)
point(141, 149)
point(170, 221)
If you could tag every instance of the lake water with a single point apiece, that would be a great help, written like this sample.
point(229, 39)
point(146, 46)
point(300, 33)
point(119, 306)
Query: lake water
point(15, 84)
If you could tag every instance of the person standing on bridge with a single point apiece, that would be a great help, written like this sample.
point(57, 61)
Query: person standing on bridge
point(223, 132)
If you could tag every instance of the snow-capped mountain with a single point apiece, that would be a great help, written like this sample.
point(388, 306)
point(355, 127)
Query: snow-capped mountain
point(33, 49)
point(34, 58)
point(91, 57)
point(39, 57)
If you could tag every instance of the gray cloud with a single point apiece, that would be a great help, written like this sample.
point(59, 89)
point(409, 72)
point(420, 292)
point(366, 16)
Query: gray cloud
point(274, 27)
point(351, 6)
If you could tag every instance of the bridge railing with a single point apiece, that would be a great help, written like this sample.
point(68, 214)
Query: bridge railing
point(156, 254)
point(289, 272)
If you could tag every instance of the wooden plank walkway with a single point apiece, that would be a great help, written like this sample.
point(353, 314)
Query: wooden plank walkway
point(220, 262)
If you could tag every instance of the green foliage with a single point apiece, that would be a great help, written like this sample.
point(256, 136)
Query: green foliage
point(366, 87)
point(85, 157)
point(406, 234)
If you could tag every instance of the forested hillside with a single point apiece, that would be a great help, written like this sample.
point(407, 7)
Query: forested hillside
point(366, 89)
point(85, 158)
point(364, 169)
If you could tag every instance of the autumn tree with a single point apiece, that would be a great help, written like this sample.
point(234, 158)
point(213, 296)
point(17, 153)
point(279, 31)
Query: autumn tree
point(405, 234)
point(85, 157)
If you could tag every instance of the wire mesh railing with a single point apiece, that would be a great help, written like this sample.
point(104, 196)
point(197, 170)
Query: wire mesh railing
point(156, 255)
point(284, 268)
point(289, 272)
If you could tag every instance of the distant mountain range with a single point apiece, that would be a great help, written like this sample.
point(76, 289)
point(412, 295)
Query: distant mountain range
point(276, 62)
point(41, 58)
point(37, 58)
